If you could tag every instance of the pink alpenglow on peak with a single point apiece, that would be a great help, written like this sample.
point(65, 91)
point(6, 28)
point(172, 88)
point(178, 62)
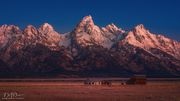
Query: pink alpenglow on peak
point(10, 29)
point(87, 33)
point(113, 29)
point(85, 24)
point(88, 19)
point(46, 28)
point(143, 38)
point(30, 30)
point(86, 49)
point(140, 26)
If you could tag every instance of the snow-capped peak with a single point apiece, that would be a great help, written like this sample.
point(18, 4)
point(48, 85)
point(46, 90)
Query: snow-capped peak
point(30, 30)
point(140, 29)
point(8, 34)
point(46, 28)
point(85, 25)
point(88, 20)
point(87, 33)
point(113, 29)
point(112, 26)
point(143, 38)
point(10, 29)
point(140, 26)
point(3, 26)
point(29, 27)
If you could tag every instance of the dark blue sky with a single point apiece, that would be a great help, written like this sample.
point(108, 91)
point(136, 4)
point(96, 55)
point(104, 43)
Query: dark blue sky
point(158, 16)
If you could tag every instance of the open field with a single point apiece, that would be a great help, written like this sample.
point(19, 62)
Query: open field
point(76, 91)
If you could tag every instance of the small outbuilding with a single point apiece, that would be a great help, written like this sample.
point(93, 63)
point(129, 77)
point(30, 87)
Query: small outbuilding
point(137, 79)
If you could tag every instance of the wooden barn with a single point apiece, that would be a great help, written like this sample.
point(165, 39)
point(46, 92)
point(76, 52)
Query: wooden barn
point(97, 82)
point(137, 79)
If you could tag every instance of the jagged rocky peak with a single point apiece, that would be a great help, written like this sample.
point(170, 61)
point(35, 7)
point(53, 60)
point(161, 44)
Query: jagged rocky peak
point(3, 26)
point(46, 28)
point(141, 29)
point(141, 37)
point(87, 20)
point(85, 25)
point(87, 33)
point(140, 26)
point(30, 30)
point(113, 28)
point(8, 34)
point(141, 32)
point(9, 27)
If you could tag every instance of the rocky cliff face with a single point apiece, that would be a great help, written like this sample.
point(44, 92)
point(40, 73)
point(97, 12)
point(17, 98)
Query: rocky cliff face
point(88, 50)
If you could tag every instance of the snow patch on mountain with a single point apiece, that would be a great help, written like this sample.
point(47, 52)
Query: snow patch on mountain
point(65, 40)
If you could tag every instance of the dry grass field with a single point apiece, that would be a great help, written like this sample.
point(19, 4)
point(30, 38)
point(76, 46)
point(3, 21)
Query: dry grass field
point(70, 91)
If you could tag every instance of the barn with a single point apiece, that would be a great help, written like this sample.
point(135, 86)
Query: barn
point(137, 79)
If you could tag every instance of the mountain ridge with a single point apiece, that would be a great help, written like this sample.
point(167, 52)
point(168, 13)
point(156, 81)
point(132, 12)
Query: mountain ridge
point(87, 50)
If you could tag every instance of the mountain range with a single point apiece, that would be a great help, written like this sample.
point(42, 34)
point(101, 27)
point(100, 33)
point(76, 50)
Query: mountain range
point(88, 50)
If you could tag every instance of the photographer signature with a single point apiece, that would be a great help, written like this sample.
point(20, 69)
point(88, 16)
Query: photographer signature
point(12, 96)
